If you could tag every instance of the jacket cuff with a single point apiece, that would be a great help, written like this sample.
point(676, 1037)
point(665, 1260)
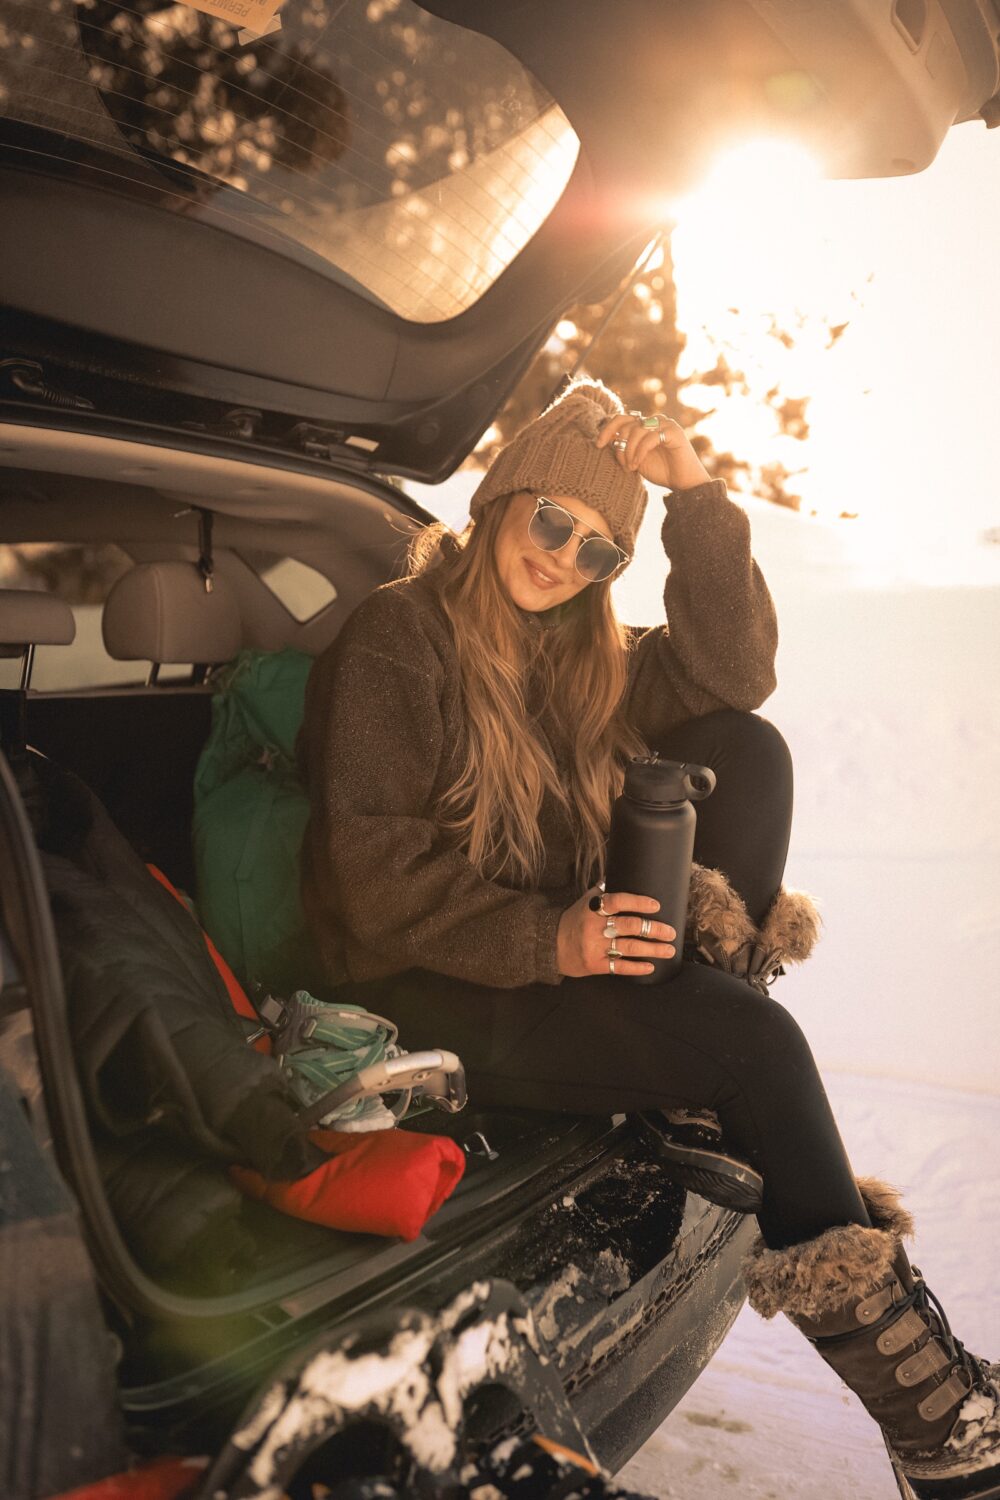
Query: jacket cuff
point(710, 489)
point(546, 968)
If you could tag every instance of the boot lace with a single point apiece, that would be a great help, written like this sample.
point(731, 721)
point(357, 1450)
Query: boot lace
point(930, 1309)
point(936, 1320)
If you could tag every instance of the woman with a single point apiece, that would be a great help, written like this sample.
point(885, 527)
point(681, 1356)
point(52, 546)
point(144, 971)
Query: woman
point(464, 740)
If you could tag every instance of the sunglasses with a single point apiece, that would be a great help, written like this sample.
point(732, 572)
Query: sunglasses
point(551, 528)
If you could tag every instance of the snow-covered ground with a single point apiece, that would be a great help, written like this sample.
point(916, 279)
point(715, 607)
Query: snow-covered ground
point(889, 700)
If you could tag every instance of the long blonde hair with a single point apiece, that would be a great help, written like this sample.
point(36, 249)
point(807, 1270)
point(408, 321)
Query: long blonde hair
point(492, 807)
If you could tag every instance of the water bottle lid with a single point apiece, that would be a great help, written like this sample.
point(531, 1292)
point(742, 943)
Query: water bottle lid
point(662, 782)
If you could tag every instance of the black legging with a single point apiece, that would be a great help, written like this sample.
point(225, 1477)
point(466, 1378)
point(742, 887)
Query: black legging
point(601, 1045)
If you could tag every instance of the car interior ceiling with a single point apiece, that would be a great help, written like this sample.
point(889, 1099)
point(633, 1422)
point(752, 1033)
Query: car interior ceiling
point(96, 476)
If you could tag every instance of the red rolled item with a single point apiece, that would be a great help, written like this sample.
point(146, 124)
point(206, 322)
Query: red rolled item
point(386, 1182)
point(161, 1479)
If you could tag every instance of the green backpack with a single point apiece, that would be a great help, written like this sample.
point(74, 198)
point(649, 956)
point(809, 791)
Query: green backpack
point(250, 812)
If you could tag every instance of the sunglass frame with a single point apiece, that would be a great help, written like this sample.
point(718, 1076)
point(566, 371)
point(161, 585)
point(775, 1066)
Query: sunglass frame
point(543, 501)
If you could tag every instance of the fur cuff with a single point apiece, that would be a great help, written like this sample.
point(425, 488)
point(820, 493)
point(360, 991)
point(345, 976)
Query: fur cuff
point(790, 929)
point(823, 1274)
point(885, 1208)
point(715, 908)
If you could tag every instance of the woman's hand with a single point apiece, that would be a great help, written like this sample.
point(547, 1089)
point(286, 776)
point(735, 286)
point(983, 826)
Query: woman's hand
point(582, 947)
point(661, 454)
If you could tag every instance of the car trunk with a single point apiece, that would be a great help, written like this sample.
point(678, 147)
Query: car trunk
point(632, 1282)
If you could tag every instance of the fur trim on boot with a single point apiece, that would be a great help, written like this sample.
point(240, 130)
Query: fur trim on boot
point(720, 931)
point(716, 911)
point(792, 926)
point(821, 1275)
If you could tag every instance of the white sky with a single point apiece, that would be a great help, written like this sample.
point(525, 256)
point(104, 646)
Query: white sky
point(904, 407)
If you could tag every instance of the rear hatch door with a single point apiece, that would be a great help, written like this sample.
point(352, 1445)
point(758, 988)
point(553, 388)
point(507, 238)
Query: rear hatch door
point(346, 238)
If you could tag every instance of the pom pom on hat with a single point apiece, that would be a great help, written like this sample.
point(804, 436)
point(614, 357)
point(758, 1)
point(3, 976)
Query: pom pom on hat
point(557, 454)
point(583, 394)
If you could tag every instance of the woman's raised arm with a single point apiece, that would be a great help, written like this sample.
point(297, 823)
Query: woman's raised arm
point(718, 646)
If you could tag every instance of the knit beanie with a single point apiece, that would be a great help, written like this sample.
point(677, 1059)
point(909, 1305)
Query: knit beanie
point(556, 454)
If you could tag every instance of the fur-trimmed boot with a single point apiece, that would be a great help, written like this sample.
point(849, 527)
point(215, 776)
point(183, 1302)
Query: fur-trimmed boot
point(868, 1313)
point(719, 932)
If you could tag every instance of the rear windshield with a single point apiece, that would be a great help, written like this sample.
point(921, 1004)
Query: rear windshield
point(398, 153)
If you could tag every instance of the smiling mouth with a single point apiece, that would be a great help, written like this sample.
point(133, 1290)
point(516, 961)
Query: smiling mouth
point(539, 576)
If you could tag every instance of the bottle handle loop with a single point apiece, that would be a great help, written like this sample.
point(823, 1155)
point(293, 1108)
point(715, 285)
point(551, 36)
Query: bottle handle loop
point(699, 782)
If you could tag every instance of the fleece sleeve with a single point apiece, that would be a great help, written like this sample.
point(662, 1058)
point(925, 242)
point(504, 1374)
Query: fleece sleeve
point(718, 646)
point(400, 895)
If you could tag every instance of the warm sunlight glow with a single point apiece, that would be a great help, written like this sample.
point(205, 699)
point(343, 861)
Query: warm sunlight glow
point(748, 174)
point(754, 218)
point(846, 332)
point(760, 284)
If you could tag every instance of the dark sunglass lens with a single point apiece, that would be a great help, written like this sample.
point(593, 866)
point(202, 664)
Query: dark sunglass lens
point(550, 528)
point(597, 559)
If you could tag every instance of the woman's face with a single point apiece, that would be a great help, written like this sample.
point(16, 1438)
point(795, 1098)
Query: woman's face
point(537, 580)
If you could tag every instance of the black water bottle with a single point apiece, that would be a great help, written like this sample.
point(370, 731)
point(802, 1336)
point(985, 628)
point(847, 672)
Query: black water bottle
point(651, 843)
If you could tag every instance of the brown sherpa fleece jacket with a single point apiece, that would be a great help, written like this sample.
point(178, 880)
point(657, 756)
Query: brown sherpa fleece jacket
point(383, 889)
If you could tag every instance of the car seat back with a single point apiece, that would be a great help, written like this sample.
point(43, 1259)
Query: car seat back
point(171, 613)
point(28, 618)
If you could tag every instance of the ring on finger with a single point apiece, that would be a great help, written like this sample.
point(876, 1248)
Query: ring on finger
point(621, 444)
point(651, 422)
point(614, 952)
point(645, 927)
point(611, 965)
point(610, 930)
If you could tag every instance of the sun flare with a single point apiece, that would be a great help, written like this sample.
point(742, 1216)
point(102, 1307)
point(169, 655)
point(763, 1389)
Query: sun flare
point(749, 172)
point(873, 305)
point(763, 284)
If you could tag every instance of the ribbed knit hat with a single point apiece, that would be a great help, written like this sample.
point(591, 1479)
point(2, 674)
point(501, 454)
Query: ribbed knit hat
point(556, 454)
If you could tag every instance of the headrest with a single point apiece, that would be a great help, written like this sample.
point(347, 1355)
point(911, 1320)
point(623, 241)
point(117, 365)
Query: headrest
point(30, 617)
point(161, 612)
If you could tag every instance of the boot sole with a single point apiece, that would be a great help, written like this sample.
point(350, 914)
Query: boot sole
point(718, 1178)
point(955, 1487)
point(958, 1487)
